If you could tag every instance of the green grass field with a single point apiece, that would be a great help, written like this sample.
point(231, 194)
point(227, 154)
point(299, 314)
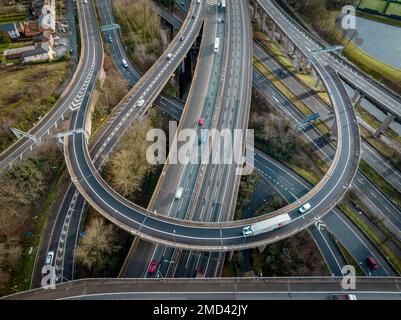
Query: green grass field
point(376, 5)
point(379, 70)
point(394, 9)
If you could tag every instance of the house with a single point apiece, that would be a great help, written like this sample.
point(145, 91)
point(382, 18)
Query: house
point(47, 22)
point(16, 53)
point(39, 54)
point(11, 29)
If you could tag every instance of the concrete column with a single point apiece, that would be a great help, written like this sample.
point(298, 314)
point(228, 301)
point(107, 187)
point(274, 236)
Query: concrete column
point(385, 125)
point(284, 44)
point(272, 33)
point(230, 256)
point(317, 83)
point(304, 64)
point(357, 98)
point(297, 60)
point(255, 9)
point(262, 248)
point(264, 21)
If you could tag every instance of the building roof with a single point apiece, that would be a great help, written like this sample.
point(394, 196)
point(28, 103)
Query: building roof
point(34, 52)
point(6, 27)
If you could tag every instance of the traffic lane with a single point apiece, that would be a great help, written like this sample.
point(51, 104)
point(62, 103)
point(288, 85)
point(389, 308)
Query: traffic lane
point(216, 205)
point(175, 175)
point(378, 203)
point(287, 185)
point(327, 285)
point(356, 243)
point(163, 100)
point(73, 231)
point(305, 94)
point(344, 230)
point(383, 166)
point(138, 267)
point(330, 252)
point(294, 116)
point(73, 237)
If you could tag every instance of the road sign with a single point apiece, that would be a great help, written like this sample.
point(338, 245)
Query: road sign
point(328, 49)
point(109, 27)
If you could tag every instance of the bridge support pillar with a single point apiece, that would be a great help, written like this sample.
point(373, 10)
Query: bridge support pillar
point(385, 125)
point(272, 33)
point(230, 256)
point(255, 9)
point(317, 83)
point(357, 98)
point(264, 17)
point(262, 248)
point(299, 62)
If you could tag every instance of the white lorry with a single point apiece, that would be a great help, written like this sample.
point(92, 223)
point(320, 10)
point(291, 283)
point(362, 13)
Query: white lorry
point(266, 225)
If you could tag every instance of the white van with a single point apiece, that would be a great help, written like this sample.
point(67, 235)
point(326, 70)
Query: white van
point(178, 193)
point(49, 258)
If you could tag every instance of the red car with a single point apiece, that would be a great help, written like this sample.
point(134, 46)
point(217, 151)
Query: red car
point(201, 121)
point(372, 263)
point(152, 266)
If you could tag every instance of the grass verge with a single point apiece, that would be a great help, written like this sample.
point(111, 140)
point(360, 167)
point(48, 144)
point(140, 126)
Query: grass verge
point(350, 260)
point(393, 194)
point(392, 258)
point(302, 107)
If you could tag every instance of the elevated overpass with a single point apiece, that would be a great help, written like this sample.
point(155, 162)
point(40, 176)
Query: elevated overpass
point(223, 236)
point(216, 288)
point(213, 236)
point(298, 43)
point(62, 237)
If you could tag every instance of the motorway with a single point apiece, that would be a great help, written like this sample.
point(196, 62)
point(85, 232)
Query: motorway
point(213, 236)
point(202, 102)
point(369, 154)
point(62, 237)
point(212, 197)
point(220, 236)
point(216, 195)
point(121, 52)
point(371, 196)
point(290, 186)
point(376, 92)
point(216, 289)
point(76, 93)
